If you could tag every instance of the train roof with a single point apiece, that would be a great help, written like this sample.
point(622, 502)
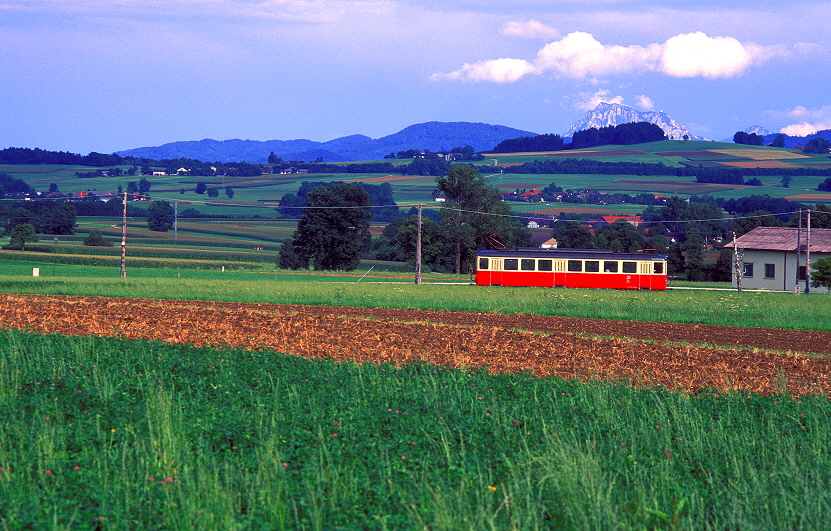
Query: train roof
point(565, 254)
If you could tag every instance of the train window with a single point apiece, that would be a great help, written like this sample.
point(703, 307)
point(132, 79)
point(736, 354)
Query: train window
point(575, 265)
point(610, 266)
point(544, 265)
point(483, 263)
point(528, 264)
point(592, 266)
point(511, 264)
point(659, 268)
point(630, 267)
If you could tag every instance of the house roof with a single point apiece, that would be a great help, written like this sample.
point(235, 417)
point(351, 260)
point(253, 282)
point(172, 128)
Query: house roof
point(783, 239)
point(630, 219)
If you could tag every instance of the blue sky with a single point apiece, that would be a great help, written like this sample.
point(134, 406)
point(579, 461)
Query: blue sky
point(96, 75)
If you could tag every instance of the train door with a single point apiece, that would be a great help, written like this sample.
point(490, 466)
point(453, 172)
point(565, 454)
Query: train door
point(497, 265)
point(645, 274)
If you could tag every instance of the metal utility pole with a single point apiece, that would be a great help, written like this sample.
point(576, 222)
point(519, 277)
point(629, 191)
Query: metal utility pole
point(418, 249)
point(738, 264)
point(808, 254)
point(124, 239)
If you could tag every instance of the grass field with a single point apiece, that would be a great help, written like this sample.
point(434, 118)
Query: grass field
point(111, 434)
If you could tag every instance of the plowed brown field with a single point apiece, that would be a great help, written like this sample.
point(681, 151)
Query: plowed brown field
point(668, 354)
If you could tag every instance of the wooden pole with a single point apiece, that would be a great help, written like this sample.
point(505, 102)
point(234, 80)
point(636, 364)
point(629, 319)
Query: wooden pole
point(175, 221)
point(418, 249)
point(808, 254)
point(738, 264)
point(124, 239)
point(798, 249)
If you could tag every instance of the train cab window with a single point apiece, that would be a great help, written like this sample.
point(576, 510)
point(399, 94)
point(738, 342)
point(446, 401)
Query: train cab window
point(544, 265)
point(527, 264)
point(483, 263)
point(592, 266)
point(630, 267)
point(658, 268)
point(511, 264)
point(610, 266)
point(575, 265)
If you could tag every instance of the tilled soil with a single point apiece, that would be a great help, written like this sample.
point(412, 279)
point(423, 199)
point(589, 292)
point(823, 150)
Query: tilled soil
point(678, 356)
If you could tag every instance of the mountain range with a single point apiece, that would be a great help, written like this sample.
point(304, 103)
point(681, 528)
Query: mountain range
point(433, 136)
point(611, 114)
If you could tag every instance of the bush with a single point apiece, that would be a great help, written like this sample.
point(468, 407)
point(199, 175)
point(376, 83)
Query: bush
point(96, 239)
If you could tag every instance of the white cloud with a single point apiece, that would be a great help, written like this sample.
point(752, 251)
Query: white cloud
point(533, 29)
point(589, 101)
point(644, 102)
point(810, 120)
point(496, 71)
point(579, 55)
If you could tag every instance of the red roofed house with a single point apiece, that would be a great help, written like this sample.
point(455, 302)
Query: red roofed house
point(608, 220)
point(769, 255)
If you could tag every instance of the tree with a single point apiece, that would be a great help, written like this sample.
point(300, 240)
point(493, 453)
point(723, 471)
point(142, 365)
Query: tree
point(229, 192)
point(201, 188)
point(821, 273)
point(621, 235)
point(433, 248)
point(473, 215)
point(213, 192)
point(19, 216)
point(144, 186)
point(96, 239)
point(288, 258)
point(571, 235)
point(160, 216)
point(694, 259)
point(817, 145)
point(786, 181)
point(779, 141)
point(21, 235)
point(334, 228)
point(748, 222)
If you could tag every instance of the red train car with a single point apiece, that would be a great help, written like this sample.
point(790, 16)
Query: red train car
point(572, 268)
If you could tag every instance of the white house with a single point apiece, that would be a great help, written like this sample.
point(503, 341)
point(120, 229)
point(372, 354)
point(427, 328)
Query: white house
point(769, 255)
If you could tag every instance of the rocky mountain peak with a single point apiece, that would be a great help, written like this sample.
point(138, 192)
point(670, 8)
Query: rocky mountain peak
point(611, 114)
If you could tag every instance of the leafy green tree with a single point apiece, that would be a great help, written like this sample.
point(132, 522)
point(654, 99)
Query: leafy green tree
point(289, 259)
point(751, 220)
point(779, 141)
point(333, 231)
point(786, 181)
point(59, 219)
point(817, 145)
point(160, 216)
point(96, 239)
point(433, 248)
point(19, 216)
point(571, 235)
point(229, 192)
point(694, 259)
point(144, 186)
point(213, 192)
point(21, 235)
point(675, 259)
point(821, 273)
point(473, 216)
point(621, 236)
point(201, 188)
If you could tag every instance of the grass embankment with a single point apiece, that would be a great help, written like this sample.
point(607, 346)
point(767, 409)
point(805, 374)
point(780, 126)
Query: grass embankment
point(139, 435)
point(396, 290)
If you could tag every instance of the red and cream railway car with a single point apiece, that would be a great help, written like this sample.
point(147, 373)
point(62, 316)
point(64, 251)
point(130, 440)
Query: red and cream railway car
point(571, 268)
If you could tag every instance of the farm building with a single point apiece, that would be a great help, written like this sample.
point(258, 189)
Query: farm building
point(770, 257)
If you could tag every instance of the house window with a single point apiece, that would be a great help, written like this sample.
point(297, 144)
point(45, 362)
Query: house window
point(800, 273)
point(575, 265)
point(770, 270)
point(544, 265)
point(528, 264)
point(511, 264)
point(592, 266)
point(748, 269)
point(483, 263)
